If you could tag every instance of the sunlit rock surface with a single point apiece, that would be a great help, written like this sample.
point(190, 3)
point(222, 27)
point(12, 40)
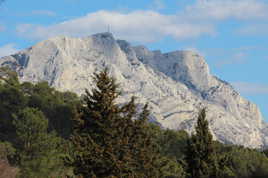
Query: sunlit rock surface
point(176, 84)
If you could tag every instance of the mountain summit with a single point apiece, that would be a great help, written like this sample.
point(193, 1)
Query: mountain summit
point(175, 84)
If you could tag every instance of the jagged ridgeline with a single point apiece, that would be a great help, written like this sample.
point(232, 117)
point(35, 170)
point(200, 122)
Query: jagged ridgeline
point(176, 84)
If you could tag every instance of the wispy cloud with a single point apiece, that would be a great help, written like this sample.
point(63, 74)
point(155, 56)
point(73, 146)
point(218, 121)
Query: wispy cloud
point(7, 50)
point(141, 26)
point(251, 88)
point(225, 9)
point(44, 13)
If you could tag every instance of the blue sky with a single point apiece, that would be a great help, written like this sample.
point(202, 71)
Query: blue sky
point(231, 34)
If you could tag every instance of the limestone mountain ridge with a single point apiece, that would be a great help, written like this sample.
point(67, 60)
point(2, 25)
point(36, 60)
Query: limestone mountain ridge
point(175, 84)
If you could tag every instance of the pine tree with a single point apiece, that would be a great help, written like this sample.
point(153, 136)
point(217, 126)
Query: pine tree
point(200, 152)
point(107, 141)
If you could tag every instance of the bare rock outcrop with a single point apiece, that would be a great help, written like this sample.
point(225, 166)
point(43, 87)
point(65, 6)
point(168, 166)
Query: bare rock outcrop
point(176, 84)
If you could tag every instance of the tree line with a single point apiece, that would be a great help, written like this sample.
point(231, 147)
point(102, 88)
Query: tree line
point(48, 133)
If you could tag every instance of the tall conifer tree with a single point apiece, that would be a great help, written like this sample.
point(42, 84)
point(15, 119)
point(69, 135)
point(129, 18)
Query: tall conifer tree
point(200, 154)
point(108, 140)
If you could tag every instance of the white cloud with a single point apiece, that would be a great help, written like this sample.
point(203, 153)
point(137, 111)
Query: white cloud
point(141, 26)
point(251, 88)
point(225, 9)
point(194, 20)
point(44, 13)
point(7, 49)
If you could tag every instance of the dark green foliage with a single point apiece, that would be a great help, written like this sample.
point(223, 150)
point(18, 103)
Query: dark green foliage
point(58, 107)
point(265, 151)
point(32, 114)
point(200, 153)
point(170, 168)
point(6, 151)
point(12, 101)
point(38, 152)
point(107, 141)
point(8, 76)
point(244, 162)
point(172, 145)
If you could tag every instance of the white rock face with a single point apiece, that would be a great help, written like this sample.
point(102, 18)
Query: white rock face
point(175, 84)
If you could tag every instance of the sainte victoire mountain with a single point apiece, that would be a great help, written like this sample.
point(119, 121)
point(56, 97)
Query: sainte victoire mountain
point(175, 84)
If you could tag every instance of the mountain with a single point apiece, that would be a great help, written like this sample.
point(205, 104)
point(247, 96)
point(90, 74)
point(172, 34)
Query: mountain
point(176, 84)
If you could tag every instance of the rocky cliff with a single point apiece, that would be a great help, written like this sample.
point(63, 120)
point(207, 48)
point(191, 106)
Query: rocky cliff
point(176, 84)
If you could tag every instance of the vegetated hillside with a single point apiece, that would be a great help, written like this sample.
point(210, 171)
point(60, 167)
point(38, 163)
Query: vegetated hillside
point(47, 133)
point(176, 84)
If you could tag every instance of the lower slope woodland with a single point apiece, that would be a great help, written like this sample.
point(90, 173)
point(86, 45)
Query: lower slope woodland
point(45, 133)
